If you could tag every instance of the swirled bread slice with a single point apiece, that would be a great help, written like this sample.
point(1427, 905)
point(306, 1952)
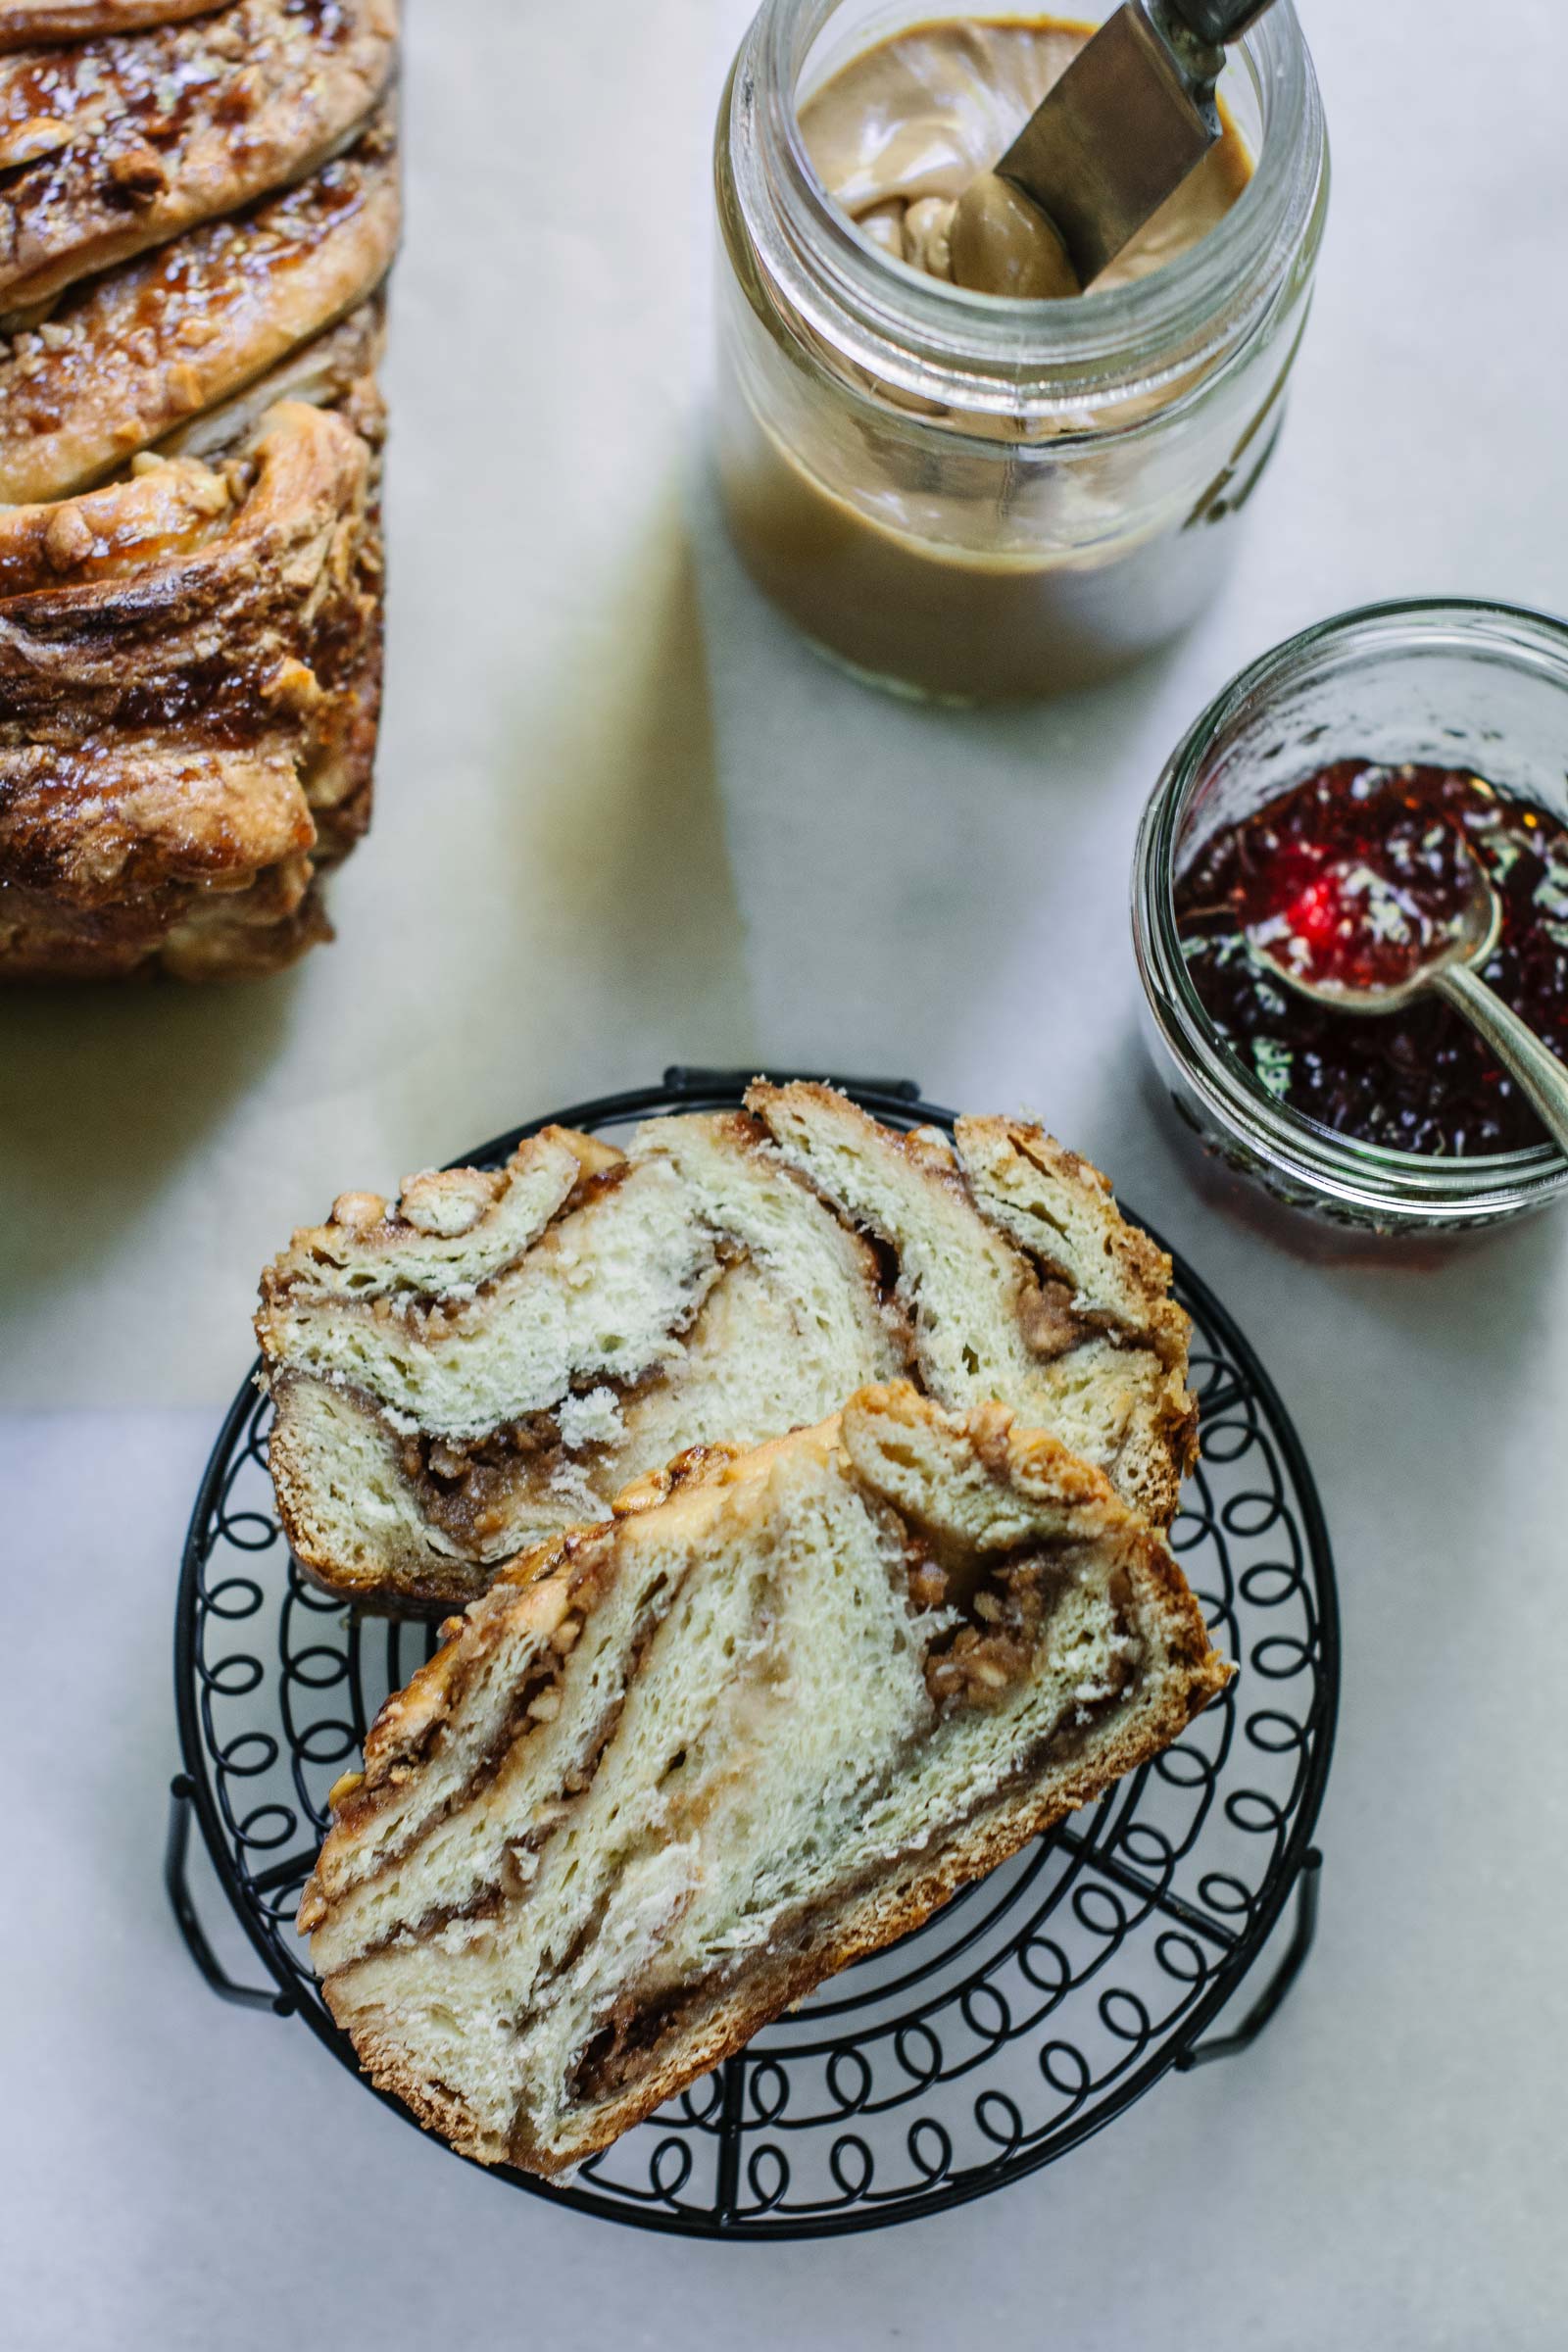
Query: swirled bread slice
point(133, 357)
point(671, 1771)
point(116, 144)
point(714, 1285)
point(494, 1359)
point(710, 1286)
point(189, 673)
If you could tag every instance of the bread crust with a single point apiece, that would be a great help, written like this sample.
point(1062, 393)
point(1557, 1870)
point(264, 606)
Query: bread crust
point(540, 1589)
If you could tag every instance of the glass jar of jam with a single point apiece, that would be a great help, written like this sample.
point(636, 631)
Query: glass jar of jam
point(965, 496)
point(1382, 738)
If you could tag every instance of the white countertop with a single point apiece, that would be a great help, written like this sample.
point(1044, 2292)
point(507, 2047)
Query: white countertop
point(625, 820)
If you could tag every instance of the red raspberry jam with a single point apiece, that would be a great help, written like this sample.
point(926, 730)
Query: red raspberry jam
point(1357, 875)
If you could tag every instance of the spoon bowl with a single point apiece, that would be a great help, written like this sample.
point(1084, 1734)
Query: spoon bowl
point(1468, 938)
point(1451, 970)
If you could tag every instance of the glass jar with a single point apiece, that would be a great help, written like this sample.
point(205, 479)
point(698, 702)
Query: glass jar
point(1457, 684)
point(967, 497)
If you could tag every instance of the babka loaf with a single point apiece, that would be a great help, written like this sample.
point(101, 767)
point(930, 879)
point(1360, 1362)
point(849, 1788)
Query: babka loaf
point(672, 1771)
point(497, 1356)
point(199, 211)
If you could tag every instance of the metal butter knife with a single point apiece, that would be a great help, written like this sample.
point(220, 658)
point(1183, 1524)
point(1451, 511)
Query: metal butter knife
point(1132, 116)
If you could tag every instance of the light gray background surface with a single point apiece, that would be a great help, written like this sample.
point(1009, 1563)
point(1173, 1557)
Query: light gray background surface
point(627, 819)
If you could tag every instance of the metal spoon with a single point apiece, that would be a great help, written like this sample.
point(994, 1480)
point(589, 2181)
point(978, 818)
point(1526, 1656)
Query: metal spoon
point(1133, 114)
point(1453, 973)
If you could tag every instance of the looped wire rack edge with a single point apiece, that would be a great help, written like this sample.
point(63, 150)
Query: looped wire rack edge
point(1022, 2018)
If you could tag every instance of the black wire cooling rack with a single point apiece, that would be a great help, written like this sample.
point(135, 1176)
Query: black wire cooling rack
point(1019, 2020)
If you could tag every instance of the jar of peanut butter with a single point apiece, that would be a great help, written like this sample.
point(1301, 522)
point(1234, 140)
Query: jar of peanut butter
point(966, 495)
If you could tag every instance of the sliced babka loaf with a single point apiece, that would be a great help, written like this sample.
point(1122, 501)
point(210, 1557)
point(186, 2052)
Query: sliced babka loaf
point(502, 1353)
point(671, 1771)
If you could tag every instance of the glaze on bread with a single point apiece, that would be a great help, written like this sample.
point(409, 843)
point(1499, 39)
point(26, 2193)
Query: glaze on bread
point(118, 143)
point(672, 1771)
point(26, 24)
point(125, 362)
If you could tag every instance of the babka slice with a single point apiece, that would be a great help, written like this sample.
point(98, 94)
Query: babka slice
point(496, 1357)
point(706, 1287)
point(713, 1284)
point(673, 1771)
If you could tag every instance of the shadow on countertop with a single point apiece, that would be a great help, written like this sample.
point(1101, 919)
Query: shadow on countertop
point(617, 797)
point(105, 1090)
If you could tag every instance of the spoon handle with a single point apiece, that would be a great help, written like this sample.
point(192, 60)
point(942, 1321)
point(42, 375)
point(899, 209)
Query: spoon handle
point(1543, 1077)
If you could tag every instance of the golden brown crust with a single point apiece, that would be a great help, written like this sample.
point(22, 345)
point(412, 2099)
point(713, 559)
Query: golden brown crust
point(108, 830)
point(131, 357)
point(84, 644)
point(337, 369)
point(116, 145)
point(244, 934)
point(189, 668)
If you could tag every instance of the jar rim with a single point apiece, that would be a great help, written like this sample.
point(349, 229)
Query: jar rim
point(1389, 1182)
point(988, 351)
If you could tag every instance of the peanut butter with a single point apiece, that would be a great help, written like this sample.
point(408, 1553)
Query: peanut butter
point(903, 131)
point(959, 558)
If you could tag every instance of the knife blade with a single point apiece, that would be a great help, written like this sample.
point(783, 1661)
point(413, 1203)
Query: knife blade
point(1133, 114)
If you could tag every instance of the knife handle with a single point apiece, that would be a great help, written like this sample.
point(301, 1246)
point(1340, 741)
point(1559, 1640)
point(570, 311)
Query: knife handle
point(1219, 20)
